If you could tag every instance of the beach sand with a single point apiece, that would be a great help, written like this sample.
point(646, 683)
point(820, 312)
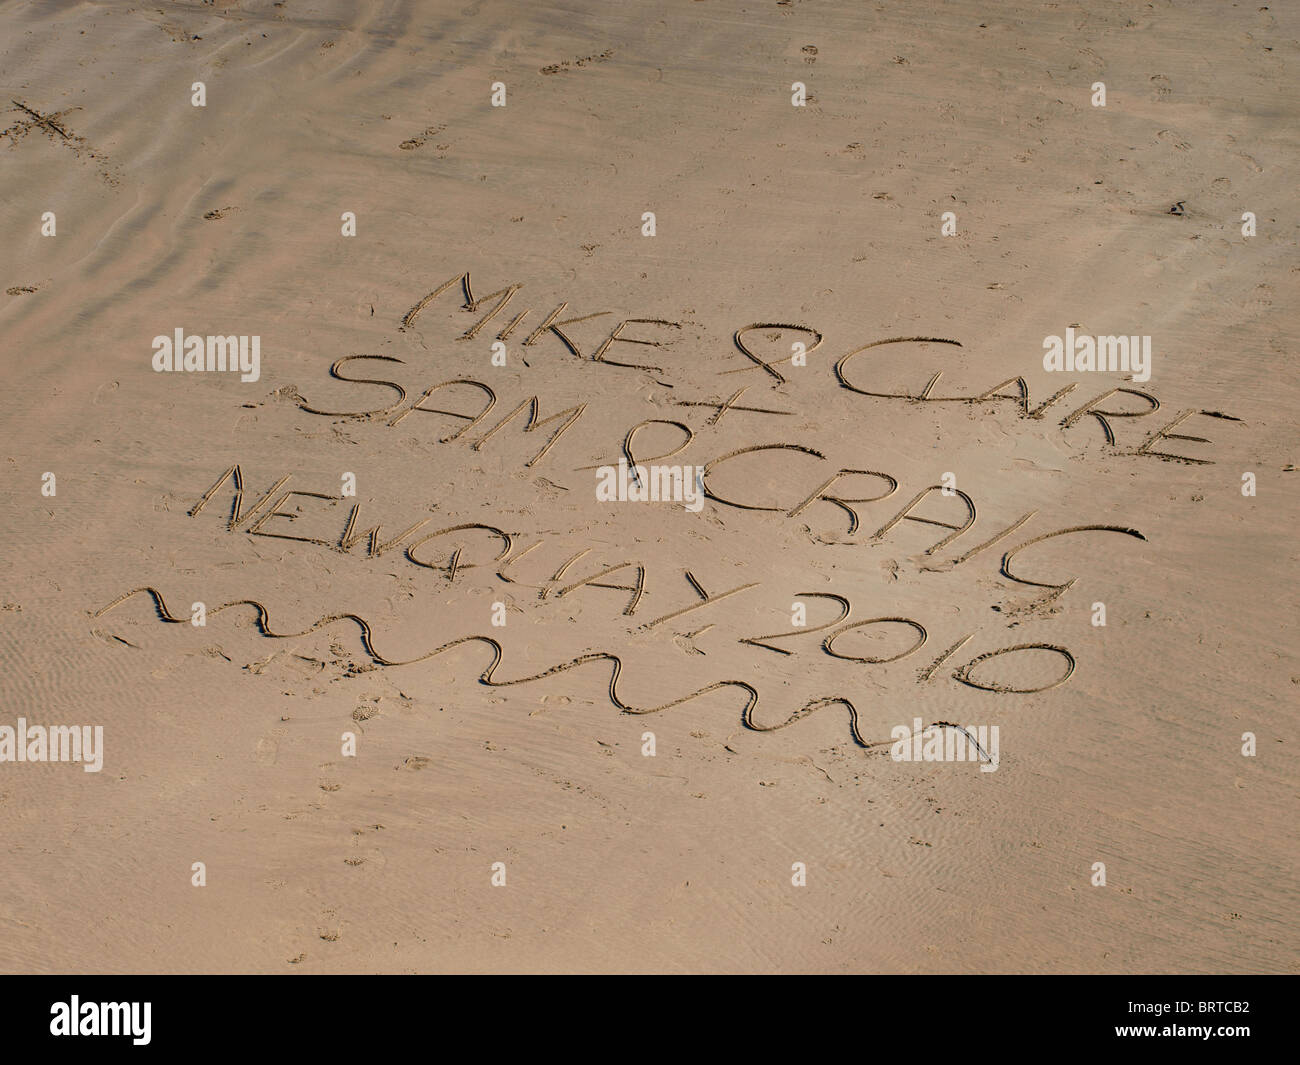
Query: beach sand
point(661, 795)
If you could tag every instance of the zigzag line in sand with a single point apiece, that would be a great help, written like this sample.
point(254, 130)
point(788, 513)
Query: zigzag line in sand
point(487, 676)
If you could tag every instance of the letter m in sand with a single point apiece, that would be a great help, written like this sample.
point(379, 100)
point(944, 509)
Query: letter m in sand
point(472, 304)
point(570, 416)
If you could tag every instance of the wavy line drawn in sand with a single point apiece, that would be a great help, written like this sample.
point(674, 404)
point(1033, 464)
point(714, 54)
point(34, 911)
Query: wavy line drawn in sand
point(487, 676)
point(970, 738)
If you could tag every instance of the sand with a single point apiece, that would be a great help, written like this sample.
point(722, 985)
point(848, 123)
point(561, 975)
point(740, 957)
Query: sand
point(673, 773)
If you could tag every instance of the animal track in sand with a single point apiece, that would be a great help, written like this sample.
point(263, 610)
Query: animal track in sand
point(565, 65)
point(419, 139)
point(53, 126)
